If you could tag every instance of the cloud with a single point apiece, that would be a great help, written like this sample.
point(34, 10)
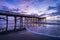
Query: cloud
point(57, 12)
point(5, 8)
point(27, 6)
point(20, 1)
point(43, 14)
point(49, 8)
point(3, 3)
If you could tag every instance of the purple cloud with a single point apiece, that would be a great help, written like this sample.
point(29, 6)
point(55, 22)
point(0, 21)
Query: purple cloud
point(55, 13)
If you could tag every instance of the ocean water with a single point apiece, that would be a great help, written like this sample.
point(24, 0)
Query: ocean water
point(52, 30)
point(37, 28)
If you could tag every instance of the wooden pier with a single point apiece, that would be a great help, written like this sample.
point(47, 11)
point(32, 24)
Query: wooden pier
point(21, 17)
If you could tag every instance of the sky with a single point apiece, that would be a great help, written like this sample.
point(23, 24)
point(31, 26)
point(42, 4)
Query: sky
point(43, 8)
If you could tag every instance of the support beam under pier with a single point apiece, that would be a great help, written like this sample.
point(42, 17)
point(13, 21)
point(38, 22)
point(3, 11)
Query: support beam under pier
point(21, 22)
point(15, 22)
point(6, 23)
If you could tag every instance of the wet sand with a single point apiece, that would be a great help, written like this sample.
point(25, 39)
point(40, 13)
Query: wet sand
point(25, 35)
